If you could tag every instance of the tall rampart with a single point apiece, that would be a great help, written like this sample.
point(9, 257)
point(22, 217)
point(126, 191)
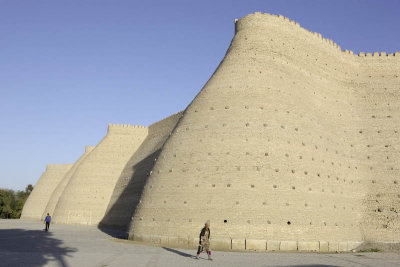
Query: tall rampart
point(87, 194)
point(63, 183)
point(278, 149)
point(130, 184)
point(39, 197)
point(378, 91)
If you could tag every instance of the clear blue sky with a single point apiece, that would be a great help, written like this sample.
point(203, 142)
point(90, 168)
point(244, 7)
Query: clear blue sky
point(68, 68)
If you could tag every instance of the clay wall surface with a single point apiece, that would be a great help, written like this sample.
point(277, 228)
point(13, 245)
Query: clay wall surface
point(129, 187)
point(275, 147)
point(63, 183)
point(42, 191)
point(379, 108)
point(87, 194)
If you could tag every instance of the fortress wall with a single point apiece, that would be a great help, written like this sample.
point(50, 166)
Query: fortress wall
point(39, 197)
point(271, 144)
point(379, 94)
point(63, 183)
point(129, 186)
point(85, 198)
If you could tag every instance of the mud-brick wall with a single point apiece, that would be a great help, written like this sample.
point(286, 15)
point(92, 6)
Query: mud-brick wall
point(130, 184)
point(85, 198)
point(55, 196)
point(270, 147)
point(42, 191)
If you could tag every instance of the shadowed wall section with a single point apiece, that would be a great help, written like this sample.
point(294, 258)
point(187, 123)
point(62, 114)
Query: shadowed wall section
point(38, 199)
point(63, 183)
point(270, 150)
point(130, 184)
point(85, 198)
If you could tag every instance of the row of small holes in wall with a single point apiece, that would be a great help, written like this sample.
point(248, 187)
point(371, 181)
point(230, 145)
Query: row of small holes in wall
point(247, 153)
point(316, 147)
point(294, 188)
point(264, 124)
point(268, 222)
point(303, 144)
point(296, 129)
point(258, 168)
point(378, 131)
point(276, 186)
point(276, 110)
point(287, 204)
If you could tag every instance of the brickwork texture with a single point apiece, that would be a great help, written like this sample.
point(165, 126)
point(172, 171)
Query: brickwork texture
point(292, 144)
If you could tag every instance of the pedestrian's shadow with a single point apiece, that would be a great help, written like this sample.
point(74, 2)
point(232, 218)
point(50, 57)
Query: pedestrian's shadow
point(19, 247)
point(180, 253)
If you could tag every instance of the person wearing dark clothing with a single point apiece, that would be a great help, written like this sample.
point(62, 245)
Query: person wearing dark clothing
point(47, 220)
point(204, 242)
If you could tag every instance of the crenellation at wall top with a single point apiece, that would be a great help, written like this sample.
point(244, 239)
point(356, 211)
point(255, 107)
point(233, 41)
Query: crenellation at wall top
point(379, 54)
point(125, 127)
point(348, 52)
point(112, 125)
point(281, 18)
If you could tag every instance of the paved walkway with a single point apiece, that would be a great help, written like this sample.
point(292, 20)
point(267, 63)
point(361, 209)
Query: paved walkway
point(24, 243)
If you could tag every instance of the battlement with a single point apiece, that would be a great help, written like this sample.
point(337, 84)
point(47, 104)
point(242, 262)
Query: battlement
point(379, 54)
point(259, 19)
point(119, 126)
point(127, 127)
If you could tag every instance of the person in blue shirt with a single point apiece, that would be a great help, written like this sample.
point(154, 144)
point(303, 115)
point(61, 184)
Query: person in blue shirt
point(47, 220)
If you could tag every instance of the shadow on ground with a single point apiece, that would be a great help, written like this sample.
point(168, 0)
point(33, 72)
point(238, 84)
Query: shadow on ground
point(20, 247)
point(114, 232)
point(180, 253)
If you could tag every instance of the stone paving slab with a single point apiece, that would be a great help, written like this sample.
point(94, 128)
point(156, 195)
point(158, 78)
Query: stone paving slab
point(24, 243)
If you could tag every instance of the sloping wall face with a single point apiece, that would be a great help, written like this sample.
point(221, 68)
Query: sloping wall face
point(379, 136)
point(63, 183)
point(85, 198)
point(129, 187)
point(271, 148)
point(39, 197)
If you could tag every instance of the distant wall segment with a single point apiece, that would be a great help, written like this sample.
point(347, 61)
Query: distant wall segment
point(87, 194)
point(55, 196)
point(37, 201)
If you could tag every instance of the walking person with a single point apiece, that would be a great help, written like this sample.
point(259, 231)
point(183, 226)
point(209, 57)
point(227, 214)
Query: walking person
point(204, 243)
point(47, 220)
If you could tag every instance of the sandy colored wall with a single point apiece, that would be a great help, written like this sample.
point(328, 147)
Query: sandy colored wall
point(86, 197)
point(130, 184)
point(42, 191)
point(272, 146)
point(63, 183)
point(379, 135)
